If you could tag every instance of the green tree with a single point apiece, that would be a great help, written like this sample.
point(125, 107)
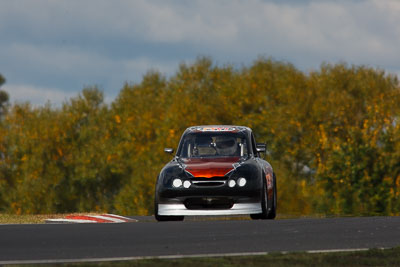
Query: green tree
point(357, 115)
point(333, 138)
point(3, 97)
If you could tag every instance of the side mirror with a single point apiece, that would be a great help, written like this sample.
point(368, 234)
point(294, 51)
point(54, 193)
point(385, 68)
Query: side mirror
point(169, 150)
point(261, 147)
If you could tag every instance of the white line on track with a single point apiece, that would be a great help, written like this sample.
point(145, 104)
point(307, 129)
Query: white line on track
point(178, 256)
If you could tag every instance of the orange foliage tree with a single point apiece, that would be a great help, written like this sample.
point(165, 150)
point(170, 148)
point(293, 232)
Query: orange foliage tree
point(333, 137)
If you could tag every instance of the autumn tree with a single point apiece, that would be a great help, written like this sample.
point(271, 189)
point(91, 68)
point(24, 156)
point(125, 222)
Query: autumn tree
point(3, 97)
point(332, 134)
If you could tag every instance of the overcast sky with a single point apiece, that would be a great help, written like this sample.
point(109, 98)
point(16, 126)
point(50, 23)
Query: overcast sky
point(50, 50)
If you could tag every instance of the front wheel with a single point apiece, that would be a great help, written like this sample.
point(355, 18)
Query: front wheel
point(268, 207)
point(272, 210)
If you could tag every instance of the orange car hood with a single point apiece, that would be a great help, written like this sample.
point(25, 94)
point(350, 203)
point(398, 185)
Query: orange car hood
point(210, 167)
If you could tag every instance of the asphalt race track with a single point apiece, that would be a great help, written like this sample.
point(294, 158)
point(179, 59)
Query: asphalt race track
point(43, 242)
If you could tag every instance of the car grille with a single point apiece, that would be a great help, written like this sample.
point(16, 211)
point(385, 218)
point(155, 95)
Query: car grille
point(209, 182)
point(208, 203)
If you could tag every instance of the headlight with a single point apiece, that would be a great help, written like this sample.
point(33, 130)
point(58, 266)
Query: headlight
point(187, 184)
point(177, 183)
point(231, 183)
point(241, 181)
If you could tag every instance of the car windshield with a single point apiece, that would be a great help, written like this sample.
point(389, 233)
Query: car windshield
point(213, 144)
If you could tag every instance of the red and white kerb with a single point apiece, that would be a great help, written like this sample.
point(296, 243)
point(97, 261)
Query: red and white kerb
point(104, 218)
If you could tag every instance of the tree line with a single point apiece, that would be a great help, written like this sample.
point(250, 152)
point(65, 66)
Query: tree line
point(332, 134)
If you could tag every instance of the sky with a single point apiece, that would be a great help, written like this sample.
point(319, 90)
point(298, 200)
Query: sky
point(51, 49)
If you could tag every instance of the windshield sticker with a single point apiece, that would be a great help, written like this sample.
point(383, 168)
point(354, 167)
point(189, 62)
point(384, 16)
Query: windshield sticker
point(216, 129)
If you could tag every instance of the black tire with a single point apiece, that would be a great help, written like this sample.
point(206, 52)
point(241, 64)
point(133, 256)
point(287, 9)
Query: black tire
point(161, 218)
point(272, 211)
point(268, 208)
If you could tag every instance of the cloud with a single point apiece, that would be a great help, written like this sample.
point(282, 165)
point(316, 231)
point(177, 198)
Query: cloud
point(151, 21)
point(37, 95)
point(58, 59)
point(70, 44)
point(337, 28)
point(76, 66)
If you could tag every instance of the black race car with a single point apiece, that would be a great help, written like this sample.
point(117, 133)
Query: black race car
point(217, 170)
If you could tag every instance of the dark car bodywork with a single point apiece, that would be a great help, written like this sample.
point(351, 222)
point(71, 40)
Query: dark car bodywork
point(217, 170)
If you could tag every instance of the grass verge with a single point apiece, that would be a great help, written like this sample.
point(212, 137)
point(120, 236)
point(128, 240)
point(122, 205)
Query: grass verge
point(372, 257)
point(31, 219)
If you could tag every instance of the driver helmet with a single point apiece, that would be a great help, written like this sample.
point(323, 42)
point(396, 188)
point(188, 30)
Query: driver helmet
point(226, 145)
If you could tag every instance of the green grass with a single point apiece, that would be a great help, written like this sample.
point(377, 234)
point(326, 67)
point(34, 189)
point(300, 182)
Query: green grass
point(373, 257)
point(30, 219)
point(19, 219)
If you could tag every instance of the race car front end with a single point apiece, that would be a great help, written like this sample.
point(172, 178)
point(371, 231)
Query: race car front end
point(236, 192)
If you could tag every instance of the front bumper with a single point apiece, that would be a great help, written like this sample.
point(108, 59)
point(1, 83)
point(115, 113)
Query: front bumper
point(181, 210)
point(211, 196)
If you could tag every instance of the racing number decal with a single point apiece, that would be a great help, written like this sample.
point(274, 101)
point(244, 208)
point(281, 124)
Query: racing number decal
point(268, 178)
